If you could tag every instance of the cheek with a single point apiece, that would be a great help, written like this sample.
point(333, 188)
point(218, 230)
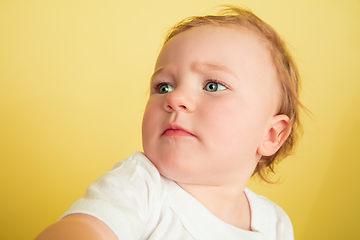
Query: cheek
point(152, 123)
point(221, 115)
point(233, 123)
point(148, 124)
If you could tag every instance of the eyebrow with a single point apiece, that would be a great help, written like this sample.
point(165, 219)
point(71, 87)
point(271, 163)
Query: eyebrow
point(208, 66)
point(157, 72)
point(200, 67)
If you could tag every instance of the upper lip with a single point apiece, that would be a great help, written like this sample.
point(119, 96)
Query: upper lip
point(174, 126)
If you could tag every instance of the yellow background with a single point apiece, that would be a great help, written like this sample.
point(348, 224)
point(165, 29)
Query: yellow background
point(73, 85)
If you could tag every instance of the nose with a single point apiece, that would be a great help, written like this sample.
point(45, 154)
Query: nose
point(179, 100)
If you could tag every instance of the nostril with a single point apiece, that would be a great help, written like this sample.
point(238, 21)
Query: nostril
point(177, 107)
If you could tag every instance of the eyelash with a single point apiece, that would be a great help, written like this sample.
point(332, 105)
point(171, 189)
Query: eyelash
point(156, 86)
point(216, 81)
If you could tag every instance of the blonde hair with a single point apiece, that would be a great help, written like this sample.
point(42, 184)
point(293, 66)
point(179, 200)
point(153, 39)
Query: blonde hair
point(287, 71)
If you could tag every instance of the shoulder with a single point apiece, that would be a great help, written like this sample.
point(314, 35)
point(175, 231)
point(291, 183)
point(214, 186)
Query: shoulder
point(268, 217)
point(137, 164)
point(132, 178)
point(124, 196)
point(134, 173)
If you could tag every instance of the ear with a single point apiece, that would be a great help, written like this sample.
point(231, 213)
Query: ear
point(278, 130)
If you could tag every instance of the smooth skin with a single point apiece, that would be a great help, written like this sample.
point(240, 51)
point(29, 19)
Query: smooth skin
point(78, 227)
point(228, 129)
point(211, 115)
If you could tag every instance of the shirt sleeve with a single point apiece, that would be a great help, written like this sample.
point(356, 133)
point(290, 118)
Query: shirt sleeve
point(284, 228)
point(120, 198)
point(268, 218)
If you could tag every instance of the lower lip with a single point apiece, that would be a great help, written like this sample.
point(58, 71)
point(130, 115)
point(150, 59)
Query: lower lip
point(177, 133)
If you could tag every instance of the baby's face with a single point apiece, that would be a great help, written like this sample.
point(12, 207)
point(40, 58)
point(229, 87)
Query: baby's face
point(213, 92)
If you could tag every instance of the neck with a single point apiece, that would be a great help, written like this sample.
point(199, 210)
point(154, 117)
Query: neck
point(227, 202)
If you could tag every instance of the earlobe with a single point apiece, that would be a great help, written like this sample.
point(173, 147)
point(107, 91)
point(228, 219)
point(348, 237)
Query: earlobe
point(277, 132)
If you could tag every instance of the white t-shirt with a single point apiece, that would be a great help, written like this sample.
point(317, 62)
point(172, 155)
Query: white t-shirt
point(136, 202)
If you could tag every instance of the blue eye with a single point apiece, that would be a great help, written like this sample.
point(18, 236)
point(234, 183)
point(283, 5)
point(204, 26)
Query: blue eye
point(213, 87)
point(165, 88)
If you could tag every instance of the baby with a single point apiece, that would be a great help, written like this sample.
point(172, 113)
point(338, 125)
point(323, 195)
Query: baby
point(223, 106)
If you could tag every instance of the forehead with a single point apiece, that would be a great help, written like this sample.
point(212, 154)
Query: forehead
point(235, 46)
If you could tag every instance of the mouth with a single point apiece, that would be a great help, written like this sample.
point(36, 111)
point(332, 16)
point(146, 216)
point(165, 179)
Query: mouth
point(174, 130)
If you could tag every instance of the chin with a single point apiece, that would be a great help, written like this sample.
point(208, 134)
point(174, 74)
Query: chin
point(175, 166)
